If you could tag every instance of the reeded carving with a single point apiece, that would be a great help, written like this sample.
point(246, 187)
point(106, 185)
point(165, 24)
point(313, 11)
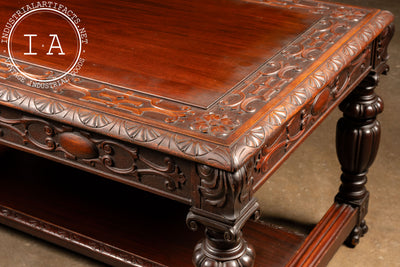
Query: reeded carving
point(357, 141)
point(359, 123)
point(364, 105)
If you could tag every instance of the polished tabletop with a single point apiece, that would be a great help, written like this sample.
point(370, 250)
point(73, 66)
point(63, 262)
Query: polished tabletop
point(209, 81)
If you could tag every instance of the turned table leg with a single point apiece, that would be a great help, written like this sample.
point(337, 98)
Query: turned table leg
point(357, 141)
point(223, 244)
point(225, 206)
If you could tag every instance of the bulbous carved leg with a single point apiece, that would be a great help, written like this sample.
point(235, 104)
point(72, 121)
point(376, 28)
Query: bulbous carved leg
point(216, 250)
point(357, 141)
point(226, 203)
point(223, 245)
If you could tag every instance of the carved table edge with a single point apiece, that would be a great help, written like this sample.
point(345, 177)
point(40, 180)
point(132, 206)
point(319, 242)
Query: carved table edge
point(229, 158)
point(249, 144)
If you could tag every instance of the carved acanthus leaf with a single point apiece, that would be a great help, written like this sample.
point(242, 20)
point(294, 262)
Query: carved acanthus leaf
point(217, 187)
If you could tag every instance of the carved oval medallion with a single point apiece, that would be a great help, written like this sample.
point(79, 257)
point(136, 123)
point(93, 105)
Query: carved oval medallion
point(78, 145)
point(320, 102)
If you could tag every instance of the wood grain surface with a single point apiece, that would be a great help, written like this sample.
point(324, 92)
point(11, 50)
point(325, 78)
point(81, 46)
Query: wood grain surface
point(187, 51)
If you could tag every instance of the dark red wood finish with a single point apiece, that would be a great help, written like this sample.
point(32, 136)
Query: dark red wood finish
point(187, 51)
point(200, 102)
point(94, 216)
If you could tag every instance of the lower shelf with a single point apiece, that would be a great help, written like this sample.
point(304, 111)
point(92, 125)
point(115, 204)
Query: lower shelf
point(111, 222)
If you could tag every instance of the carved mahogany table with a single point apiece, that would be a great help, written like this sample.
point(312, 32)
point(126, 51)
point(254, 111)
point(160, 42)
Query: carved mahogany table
point(195, 101)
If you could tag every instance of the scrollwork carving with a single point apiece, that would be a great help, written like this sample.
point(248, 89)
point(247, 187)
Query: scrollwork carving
point(281, 143)
point(338, 74)
point(219, 145)
point(99, 153)
point(381, 55)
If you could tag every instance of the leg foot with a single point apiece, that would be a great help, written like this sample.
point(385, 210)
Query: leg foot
point(355, 236)
point(223, 245)
point(216, 251)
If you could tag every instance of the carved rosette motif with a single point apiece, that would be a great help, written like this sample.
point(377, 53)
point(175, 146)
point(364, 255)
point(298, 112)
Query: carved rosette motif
point(240, 105)
point(215, 124)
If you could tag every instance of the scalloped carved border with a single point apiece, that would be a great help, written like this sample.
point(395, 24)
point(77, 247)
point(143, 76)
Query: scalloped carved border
point(208, 152)
point(102, 155)
point(315, 83)
point(226, 116)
